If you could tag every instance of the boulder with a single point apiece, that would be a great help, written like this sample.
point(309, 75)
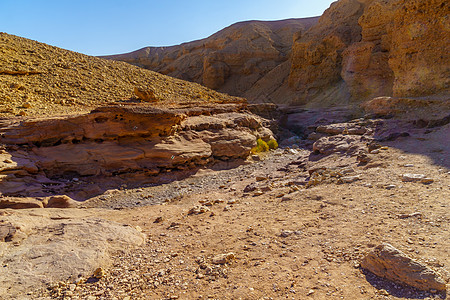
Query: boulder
point(61, 201)
point(20, 203)
point(388, 262)
point(146, 94)
point(347, 144)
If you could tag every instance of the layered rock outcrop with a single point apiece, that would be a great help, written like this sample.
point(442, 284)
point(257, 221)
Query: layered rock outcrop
point(46, 156)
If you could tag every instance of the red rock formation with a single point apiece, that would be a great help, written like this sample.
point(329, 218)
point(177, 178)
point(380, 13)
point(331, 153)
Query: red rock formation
point(232, 60)
point(317, 56)
point(358, 50)
point(374, 48)
point(129, 141)
point(420, 47)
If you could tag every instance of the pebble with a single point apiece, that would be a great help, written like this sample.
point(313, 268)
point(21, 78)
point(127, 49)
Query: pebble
point(99, 273)
point(412, 177)
point(349, 179)
point(310, 293)
point(256, 157)
point(222, 259)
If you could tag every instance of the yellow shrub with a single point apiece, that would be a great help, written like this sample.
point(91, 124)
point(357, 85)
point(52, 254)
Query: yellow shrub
point(261, 146)
point(272, 144)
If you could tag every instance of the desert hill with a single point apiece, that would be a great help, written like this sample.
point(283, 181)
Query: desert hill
point(357, 50)
point(42, 80)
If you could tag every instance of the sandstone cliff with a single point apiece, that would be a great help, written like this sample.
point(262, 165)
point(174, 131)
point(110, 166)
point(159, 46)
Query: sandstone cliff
point(233, 60)
point(369, 48)
point(357, 50)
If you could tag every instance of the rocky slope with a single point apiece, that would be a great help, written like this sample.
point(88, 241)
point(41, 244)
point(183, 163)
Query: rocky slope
point(233, 60)
point(357, 50)
point(41, 80)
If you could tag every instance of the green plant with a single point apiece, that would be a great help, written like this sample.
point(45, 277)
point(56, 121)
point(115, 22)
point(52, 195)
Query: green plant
point(261, 146)
point(272, 143)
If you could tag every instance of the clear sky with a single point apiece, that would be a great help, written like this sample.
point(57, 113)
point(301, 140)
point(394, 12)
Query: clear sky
point(98, 27)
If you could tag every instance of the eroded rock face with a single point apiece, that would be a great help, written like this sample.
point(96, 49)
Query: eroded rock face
point(317, 56)
point(117, 141)
point(232, 60)
point(373, 48)
point(390, 263)
point(419, 52)
point(357, 50)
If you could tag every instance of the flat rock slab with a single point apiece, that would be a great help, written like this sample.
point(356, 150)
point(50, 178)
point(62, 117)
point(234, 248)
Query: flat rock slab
point(387, 262)
point(53, 244)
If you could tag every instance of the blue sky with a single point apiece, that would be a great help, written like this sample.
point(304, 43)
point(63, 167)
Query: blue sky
point(99, 27)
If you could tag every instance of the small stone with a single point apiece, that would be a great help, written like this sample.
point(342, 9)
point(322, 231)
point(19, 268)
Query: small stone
point(258, 193)
point(310, 292)
point(99, 273)
point(256, 157)
point(390, 186)
point(412, 177)
point(22, 113)
point(196, 210)
point(222, 259)
point(427, 181)
point(138, 228)
point(384, 292)
point(26, 105)
point(261, 178)
point(349, 179)
point(408, 165)
point(158, 220)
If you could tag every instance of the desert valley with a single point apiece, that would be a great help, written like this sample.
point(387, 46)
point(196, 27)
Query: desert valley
point(293, 159)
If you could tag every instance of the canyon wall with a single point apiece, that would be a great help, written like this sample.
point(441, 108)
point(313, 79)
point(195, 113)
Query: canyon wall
point(357, 50)
point(371, 48)
point(232, 60)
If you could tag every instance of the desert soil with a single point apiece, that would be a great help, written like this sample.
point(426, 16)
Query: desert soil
point(257, 232)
